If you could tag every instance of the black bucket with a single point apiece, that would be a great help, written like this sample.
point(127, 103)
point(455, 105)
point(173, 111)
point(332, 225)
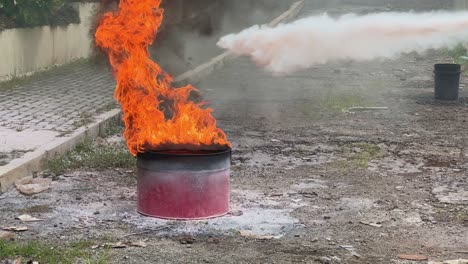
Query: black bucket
point(447, 81)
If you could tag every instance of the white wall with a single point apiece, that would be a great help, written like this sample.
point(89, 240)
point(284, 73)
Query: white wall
point(28, 50)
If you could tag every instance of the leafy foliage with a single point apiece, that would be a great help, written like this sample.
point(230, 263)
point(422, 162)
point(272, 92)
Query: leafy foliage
point(27, 13)
point(459, 54)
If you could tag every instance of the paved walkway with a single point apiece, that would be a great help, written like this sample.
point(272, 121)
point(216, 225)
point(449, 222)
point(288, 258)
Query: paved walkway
point(35, 111)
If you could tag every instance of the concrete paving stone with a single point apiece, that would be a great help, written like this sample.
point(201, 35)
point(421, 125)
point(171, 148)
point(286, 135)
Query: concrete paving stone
point(57, 97)
point(71, 122)
point(59, 122)
point(42, 124)
point(49, 127)
point(15, 119)
point(11, 115)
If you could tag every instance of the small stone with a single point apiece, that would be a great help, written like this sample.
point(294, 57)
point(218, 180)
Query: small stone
point(413, 257)
point(335, 259)
point(325, 260)
point(7, 235)
point(236, 213)
point(185, 240)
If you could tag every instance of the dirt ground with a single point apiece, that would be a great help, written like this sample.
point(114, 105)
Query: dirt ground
point(313, 181)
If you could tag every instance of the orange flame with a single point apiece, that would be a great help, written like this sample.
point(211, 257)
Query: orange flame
point(157, 116)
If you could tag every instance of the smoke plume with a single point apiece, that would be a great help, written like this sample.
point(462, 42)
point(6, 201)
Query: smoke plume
point(321, 39)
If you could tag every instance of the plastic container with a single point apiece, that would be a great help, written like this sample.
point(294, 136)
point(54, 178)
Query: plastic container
point(184, 185)
point(447, 81)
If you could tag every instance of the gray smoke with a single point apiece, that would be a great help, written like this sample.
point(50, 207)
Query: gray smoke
point(321, 39)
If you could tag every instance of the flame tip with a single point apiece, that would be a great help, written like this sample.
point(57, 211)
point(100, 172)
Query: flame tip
point(155, 113)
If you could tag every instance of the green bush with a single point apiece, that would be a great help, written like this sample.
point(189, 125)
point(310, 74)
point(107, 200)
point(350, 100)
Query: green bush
point(459, 55)
point(28, 13)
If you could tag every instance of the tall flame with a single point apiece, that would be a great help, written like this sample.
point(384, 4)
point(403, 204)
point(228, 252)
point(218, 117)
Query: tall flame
point(157, 116)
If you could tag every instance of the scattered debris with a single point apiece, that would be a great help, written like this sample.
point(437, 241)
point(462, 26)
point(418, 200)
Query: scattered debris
point(148, 231)
point(275, 194)
point(141, 244)
point(275, 140)
point(16, 228)
point(236, 213)
point(351, 250)
point(450, 194)
point(30, 186)
point(308, 194)
point(413, 257)
point(329, 260)
point(213, 240)
point(4, 235)
point(370, 224)
point(186, 240)
point(249, 234)
point(111, 245)
point(457, 261)
point(325, 260)
point(116, 245)
point(28, 218)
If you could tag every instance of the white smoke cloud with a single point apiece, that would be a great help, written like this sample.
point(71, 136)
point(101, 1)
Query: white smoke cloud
point(321, 39)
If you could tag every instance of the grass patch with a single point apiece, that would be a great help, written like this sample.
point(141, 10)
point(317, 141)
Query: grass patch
point(77, 252)
point(359, 155)
point(93, 154)
point(332, 102)
point(114, 127)
point(458, 53)
point(338, 102)
point(366, 153)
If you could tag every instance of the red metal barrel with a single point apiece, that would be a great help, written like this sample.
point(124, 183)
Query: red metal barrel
point(184, 185)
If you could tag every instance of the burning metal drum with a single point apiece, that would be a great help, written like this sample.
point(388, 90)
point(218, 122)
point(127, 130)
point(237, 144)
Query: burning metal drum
point(184, 185)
